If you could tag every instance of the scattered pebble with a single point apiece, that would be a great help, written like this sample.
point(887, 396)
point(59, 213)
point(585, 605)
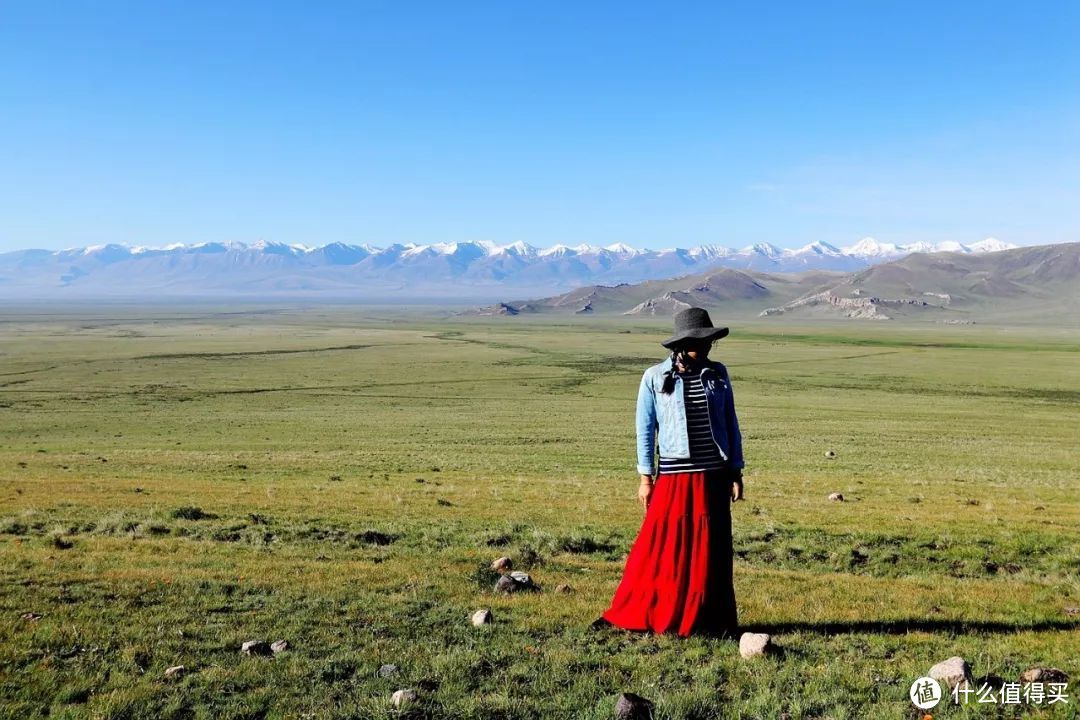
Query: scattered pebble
point(279, 646)
point(953, 672)
point(754, 644)
point(256, 647)
point(1044, 675)
point(515, 582)
point(836, 497)
point(564, 588)
point(387, 670)
point(631, 706)
point(507, 584)
point(830, 454)
point(31, 616)
point(175, 671)
point(402, 697)
point(482, 617)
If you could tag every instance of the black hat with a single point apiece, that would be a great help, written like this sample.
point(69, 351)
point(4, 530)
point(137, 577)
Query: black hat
point(693, 323)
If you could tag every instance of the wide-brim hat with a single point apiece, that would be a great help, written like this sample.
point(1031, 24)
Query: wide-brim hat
point(693, 323)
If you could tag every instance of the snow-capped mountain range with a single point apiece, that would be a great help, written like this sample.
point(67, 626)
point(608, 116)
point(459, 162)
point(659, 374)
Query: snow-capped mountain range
point(439, 269)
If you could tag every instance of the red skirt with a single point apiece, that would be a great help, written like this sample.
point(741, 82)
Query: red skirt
point(678, 575)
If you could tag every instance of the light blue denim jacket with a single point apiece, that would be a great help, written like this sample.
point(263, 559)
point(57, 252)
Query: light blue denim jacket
point(662, 416)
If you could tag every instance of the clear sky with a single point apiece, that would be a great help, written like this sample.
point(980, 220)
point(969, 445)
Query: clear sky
point(654, 124)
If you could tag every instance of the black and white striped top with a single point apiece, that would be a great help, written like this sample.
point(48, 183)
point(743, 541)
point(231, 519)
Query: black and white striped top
point(704, 455)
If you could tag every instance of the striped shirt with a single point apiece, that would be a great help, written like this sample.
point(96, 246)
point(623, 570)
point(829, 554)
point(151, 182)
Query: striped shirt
point(704, 455)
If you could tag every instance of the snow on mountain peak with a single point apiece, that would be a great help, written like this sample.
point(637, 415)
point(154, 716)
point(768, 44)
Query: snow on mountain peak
point(950, 246)
point(918, 247)
point(556, 251)
point(706, 251)
point(764, 248)
point(106, 247)
point(990, 245)
point(869, 247)
point(818, 247)
point(474, 248)
point(622, 249)
point(519, 248)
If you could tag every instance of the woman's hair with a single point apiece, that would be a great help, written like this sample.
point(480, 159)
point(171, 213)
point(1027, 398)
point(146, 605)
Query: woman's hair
point(668, 385)
point(669, 376)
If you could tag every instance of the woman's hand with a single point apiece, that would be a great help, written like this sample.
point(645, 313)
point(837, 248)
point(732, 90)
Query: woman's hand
point(644, 492)
point(736, 485)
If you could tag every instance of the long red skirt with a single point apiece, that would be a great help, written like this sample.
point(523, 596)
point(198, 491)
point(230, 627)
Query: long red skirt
point(678, 575)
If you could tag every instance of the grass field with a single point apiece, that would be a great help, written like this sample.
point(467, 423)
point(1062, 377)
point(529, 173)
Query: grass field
point(176, 482)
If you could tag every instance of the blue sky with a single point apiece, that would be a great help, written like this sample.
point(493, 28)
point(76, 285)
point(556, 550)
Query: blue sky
point(653, 124)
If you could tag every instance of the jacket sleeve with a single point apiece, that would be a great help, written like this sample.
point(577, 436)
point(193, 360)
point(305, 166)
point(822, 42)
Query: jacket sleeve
point(646, 426)
point(731, 420)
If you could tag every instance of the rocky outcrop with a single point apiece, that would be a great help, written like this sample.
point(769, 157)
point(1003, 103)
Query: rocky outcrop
point(666, 304)
point(496, 309)
point(861, 306)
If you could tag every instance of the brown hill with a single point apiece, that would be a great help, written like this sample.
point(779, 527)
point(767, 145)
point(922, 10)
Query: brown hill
point(1016, 284)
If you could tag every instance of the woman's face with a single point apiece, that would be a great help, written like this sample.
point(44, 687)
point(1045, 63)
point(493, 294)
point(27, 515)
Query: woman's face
point(698, 349)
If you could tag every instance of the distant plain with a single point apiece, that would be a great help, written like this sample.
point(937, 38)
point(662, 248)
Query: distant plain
point(175, 481)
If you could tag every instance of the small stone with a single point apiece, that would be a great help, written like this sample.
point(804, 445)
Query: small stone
point(631, 706)
point(175, 671)
point(31, 616)
point(507, 584)
point(402, 697)
point(481, 617)
point(564, 588)
point(754, 644)
point(255, 647)
point(1043, 675)
point(830, 454)
point(279, 646)
point(836, 497)
point(515, 582)
point(953, 672)
point(1072, 610)
point(387, 670)
point(502, 564)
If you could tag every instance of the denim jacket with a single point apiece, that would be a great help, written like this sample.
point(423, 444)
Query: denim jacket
point(662, 416)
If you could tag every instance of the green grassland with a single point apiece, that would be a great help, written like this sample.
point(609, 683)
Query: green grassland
point(174, 482)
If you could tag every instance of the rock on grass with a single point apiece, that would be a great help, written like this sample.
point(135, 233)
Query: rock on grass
point(1044, 675)
point(953, 672)
point(403, 697)
point(631, 706)
point(754, 644)
point(256, 647)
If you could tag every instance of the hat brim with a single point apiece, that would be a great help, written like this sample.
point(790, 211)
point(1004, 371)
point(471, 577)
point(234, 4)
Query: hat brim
point(696, 334)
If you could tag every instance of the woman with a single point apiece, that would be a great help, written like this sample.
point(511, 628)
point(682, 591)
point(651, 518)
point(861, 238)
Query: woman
point(678, 575)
